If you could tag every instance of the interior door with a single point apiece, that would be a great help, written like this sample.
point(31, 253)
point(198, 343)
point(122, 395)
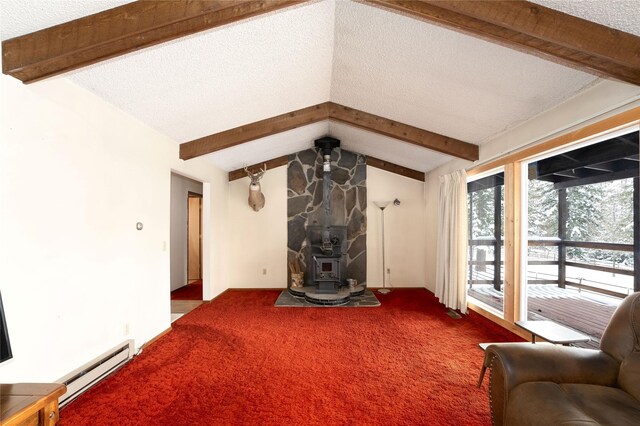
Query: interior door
point(194, 236)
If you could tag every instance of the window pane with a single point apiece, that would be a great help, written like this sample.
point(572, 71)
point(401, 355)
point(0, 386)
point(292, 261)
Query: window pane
point(601, 212)
point(580, 257)
point(595, 269)
point(486, 241)
point(542, 264)
point(543, 210)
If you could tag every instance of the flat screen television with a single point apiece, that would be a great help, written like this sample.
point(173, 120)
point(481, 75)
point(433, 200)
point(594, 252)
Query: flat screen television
point(5, 346)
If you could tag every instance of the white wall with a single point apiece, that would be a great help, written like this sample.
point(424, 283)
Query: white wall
point(603, 99)
point(403, 228)
point(180, 188)
point(258, 240)
point(76, 175)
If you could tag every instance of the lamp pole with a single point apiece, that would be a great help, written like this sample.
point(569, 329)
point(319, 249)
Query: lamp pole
point(382, 205)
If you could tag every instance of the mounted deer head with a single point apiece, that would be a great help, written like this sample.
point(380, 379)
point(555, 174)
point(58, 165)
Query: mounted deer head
point(256, 197)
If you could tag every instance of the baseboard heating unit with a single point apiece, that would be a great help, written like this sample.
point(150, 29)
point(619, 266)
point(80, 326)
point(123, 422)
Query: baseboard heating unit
point(89, 374)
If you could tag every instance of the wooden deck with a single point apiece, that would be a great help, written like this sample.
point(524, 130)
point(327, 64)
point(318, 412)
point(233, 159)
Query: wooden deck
point(581, 312)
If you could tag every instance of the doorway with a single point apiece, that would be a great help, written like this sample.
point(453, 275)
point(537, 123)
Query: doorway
point(194, 238)
point(187, 241)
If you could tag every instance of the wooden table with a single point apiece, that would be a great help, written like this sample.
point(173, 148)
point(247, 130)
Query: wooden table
point(30, 404)
point(552, 332)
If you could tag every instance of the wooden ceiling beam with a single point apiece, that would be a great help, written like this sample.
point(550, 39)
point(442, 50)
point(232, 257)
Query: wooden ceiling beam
point(118, 31)
point(371, 161)
point(254, 168)
point(534, 29)
point(257, 130)
point(403, 132)
point(521, 25)
point(331, 111)
point(394, 168)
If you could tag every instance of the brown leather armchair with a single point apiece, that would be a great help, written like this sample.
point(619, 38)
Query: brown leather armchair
point(560, 385)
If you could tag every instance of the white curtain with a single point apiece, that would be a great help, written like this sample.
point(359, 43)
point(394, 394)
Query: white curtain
point(452, 243)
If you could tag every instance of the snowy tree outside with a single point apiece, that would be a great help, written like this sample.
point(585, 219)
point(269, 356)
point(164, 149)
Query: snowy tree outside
point(543, 210)
point(601, 212)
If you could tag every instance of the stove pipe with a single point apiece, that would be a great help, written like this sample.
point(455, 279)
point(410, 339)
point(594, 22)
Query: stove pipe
point(326, 145)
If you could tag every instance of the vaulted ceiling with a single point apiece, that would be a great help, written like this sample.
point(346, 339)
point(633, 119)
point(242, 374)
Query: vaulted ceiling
point(366, 59)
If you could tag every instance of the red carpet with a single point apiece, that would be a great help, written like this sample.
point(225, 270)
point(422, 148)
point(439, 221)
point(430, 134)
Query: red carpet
point(191, 291)
point(241, 361)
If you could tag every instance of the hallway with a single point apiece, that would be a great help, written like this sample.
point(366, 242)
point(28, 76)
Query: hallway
point(182, 307)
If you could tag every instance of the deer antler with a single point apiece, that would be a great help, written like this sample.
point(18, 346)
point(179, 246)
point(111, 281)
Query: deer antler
point(256, 175)
point(262, 171)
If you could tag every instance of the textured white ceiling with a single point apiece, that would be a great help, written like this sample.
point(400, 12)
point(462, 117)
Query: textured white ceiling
point(437, 79)
point(225, 77)
point(337, 50)
point(623, 15)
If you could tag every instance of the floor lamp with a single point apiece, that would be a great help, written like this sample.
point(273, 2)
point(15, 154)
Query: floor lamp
point(383, 205)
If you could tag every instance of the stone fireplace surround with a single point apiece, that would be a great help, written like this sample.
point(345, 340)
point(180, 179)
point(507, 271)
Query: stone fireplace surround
point(348, 199)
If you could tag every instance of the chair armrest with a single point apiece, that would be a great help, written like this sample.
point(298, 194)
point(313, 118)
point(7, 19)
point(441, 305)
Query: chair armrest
point(515, 363)
point(528, 362)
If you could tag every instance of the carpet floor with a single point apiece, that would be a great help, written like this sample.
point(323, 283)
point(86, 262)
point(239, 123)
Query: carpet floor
point(191, 291)
point(241, 361)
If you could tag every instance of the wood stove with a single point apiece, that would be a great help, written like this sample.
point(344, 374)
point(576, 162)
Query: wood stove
point(328, 255)
point(326, 274)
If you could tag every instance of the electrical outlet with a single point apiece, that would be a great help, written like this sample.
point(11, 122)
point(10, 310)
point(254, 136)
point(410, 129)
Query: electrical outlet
point(388, 270)
point(126, 329)
point(264, 271)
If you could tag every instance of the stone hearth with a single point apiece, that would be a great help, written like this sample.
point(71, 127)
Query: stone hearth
point(347, 201)
point(312, 295)
point(367, 299)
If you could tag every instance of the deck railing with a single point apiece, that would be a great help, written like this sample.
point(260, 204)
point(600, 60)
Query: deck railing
point(560, 278)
